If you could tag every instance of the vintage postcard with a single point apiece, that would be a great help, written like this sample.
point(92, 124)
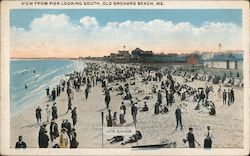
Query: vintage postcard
point(124, 77)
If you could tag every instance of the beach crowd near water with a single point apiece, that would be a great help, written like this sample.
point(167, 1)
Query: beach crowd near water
point(169, 107)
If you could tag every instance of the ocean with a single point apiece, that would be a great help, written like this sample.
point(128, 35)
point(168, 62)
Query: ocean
point(37, 75)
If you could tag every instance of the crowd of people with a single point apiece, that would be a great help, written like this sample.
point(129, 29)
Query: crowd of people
point(118, 80)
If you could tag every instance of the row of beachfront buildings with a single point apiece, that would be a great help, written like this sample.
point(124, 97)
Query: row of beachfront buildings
point(222, 60)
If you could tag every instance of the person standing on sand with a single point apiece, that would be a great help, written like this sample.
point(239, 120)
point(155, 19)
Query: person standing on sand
point(86, 92)
point(114, 120)
point(171, 98)
point(109, 119)
point(107, 99)
point(74, 116)
point(159, 97)
point(48, 112)
point(219, 92)
point(123, 108)
point(68, 91)
point(167, 96)
point(224, 96)
point(208, 138)
point(38, 114)
point(122, 116)
point(20, 143)
point(134, 112)
point(178, 117)
point(191, 139)
point(157, 109)
point(64, 140)
point(53, 93)
point(43, 138)
point(232, 95)
point(47, 91)
point(69, 104)
point(229, 97)
point(54, 111)
point(73, 142)
point(54, 133)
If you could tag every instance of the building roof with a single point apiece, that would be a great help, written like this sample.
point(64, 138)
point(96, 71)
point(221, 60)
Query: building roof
point(137, 50)
point(226, 57)
point(170, 58)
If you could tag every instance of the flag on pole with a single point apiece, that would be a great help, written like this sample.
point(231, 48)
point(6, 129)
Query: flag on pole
point(220, 46)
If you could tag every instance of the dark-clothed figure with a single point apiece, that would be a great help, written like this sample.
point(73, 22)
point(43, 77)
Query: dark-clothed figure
point(208, 139)
point(232, 95)
point(53, 93)
point(73, 142)
point(178, 118)
point(134, 138)
point(43, 138)
point(109, 119)
point(47, 91)
point(20, 143)
point(224, 96)
point(74, 116)
point(123, 108)
point(134, 112)
point(229, 97)
point(145, 108)
point(54, 111)
point(157, 109)
point(38, 114)
point(191, 139)
point(54, 133)
point(159, 97)
point(107, 100)
point(69, 105)
point(86, 93)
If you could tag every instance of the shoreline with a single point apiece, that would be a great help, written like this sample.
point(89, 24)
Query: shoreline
point(152, 126)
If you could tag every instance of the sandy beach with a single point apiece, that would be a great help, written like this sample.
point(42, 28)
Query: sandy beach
point(226, 125)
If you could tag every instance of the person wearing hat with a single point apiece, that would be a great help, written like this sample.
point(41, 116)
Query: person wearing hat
point(74, 116)
point(159, 97)
point(38, 114)
point(191, 139)
point(109, 119)
point(69, 104)
point(208, 138)
point(48, 113)
point(54, 111)
point(123, 107)
point(64, 139)
point(73, 142)
point(43, 138)
point(157, 110)
point(53, 129)
point(53, 93)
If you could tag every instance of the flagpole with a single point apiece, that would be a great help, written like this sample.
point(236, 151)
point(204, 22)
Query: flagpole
point(135, 133)
point(102, 128)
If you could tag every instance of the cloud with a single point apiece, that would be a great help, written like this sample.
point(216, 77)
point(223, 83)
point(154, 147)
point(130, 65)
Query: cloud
point(89, 22)
point(58, 36)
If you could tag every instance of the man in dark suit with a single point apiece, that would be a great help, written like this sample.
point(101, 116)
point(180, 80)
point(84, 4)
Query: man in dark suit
point(178, 117)
point(53, 129)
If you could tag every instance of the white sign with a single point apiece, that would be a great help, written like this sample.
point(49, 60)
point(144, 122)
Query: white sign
point(119, 131)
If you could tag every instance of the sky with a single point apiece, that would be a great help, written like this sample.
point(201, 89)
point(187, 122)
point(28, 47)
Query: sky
point(98, 32)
